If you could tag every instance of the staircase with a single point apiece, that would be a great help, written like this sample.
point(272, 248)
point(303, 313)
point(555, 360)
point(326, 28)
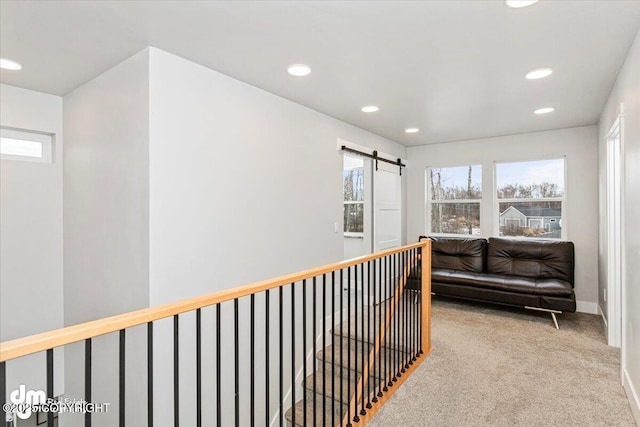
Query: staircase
point(339, 368)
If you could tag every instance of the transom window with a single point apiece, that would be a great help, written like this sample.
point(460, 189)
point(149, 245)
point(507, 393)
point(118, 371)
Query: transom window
point(24, 145)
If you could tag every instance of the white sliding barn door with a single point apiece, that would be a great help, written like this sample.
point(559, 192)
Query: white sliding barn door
point(387, 207)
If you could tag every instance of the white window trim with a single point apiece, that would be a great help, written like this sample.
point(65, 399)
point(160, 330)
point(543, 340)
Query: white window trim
point(44, 138)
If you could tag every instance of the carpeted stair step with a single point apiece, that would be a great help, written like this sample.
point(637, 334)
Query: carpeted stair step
point(321, 418)
point(353, 328)
point(339, 385)
point(325, 356)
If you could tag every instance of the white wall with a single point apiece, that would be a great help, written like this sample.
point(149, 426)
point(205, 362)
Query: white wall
point(31, 228)
point(232, 164)
point(627, 93)
point(106, 223)
point(579, 145)
point(244, 185)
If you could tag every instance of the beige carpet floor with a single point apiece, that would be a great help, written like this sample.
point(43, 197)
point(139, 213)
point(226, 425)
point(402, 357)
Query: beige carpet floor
point(495, 366)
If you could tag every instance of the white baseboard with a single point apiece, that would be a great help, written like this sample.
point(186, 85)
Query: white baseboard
point(587, 307)
point(634, 400)
point(604, 318)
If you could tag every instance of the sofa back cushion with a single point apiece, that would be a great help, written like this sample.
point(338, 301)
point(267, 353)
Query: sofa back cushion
point(458, 253)
point(541, 259)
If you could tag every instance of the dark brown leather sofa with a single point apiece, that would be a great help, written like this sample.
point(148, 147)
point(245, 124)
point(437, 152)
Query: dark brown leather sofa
point(533, 274)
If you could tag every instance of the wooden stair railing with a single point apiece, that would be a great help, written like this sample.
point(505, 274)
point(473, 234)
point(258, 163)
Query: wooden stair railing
point(46, 342)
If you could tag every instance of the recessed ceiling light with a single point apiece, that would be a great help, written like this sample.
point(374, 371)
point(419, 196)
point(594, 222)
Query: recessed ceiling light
point(299, 70)
point(370, 109)
point(544, 110)
point(8, 64)
point(412, 130)
point(517, 4)
point(538, 73)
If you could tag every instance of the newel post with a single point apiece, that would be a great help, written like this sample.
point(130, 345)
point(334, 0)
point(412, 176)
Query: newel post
point(426, 297)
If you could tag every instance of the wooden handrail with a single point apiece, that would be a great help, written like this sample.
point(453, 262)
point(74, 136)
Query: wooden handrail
point(59, 337)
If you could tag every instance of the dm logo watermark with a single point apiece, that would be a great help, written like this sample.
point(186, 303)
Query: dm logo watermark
point(25, 402)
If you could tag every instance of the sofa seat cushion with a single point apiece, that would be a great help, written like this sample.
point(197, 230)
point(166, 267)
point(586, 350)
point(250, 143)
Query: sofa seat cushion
point(526, 285)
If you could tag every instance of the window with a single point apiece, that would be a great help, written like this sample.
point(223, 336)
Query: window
point(353, 186)
point(453, 199)
point(23, 145)
point(530, 198)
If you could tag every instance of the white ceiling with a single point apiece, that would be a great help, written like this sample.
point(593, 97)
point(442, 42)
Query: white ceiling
point(454, 69)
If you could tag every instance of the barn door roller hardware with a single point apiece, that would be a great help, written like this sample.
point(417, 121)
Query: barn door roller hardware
point(375, 157)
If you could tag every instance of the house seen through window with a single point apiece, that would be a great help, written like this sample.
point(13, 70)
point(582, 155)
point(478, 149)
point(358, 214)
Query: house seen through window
point(454, 197)
point(530, 197)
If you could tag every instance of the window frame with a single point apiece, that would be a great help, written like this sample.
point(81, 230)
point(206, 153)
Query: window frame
point(562, 200)
point(429, 202)
point(45, 139)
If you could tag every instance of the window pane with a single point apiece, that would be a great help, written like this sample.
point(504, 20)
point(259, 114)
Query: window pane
point(455, 218)
point(353, 183)
point(530, 180)
point(462, 182)
point(354, 217)
point(531, 219)
point(20, 147)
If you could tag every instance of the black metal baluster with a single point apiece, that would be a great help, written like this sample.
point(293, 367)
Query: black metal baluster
point(121, 391)
point(333, 348)
point(416, 344)
point(218, 369)
point(364, 380)
point(405, 302)
point(403, 324)
point(176, 372)
point(266, 358)
point(375, 299)
point(304, 349)
point(87, 379)
point(341, 341)
point(252, 362)
point(370, 368)
point(404, 313)
point(356, 418)
point(281, 371)
point(3, 388)
point(396, 314)
point(387, 312)
point(198, 368)
point(149, 374)
point(410, 302)
point(293, 354)
point(314, 332)
point(50, 395)
point(324, 346)
point(348, 344)
point(236, 347)
point(381, 321)
point(400, 315)
point(419, 308)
